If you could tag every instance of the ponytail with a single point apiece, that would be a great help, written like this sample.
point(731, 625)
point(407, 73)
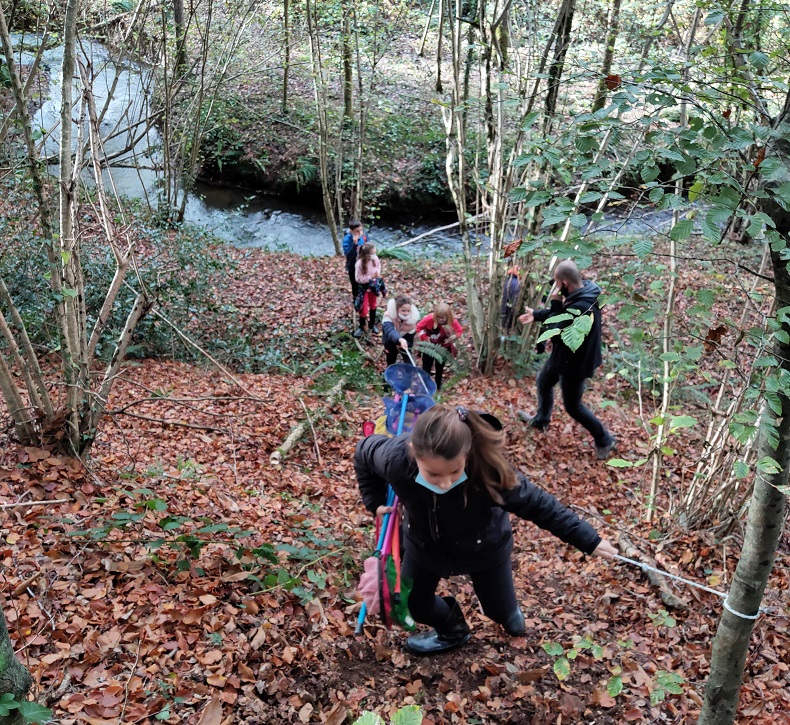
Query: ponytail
point(448, 432)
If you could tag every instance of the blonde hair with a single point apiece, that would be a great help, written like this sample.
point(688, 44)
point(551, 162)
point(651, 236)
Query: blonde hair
point(447, 432)
point(442, 309)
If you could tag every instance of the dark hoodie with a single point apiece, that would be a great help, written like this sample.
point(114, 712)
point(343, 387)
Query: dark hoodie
point(587, 358)
point(463, 530)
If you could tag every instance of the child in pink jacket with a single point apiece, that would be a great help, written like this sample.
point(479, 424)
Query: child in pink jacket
point(368, 268)
point(440, 328)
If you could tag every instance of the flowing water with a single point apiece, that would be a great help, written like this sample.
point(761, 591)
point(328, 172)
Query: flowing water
point(121, 90)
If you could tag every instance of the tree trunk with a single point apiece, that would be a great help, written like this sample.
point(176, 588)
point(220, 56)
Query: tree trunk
point(766, 511)
point(181, 38)
point(608, 54)
point(321, 103)
point(563, 39)
point(14, 678)
point(348, 74)
point(286, 53)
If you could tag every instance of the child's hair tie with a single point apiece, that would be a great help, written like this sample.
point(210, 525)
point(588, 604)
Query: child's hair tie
point(462, 413)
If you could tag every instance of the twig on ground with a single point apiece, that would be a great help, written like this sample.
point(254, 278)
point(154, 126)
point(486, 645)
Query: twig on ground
point(34, 503)
point(315, 437)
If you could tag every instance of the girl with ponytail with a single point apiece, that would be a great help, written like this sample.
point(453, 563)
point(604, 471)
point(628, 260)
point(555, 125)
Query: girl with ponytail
point(457, 489)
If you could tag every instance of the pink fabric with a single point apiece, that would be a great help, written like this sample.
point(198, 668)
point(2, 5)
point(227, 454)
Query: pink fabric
point(364, 276)
point(369, 585)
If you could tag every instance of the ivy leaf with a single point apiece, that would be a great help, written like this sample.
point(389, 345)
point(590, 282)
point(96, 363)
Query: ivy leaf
point(35, 713)
point(562, 668)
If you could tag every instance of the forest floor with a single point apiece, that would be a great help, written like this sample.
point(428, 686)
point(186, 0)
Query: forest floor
point(181, 578)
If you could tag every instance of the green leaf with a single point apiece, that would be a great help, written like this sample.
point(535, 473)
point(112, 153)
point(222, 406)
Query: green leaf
point(573, 335)
point(369, 718)
point(562, 317)
point(774, 402)
point(519, 193)
point(682, 230)
point(655, 194)
point(758, 60)
point(619, 463)
point(682, 421)
point(35, 713)
point(783, 193)
point(740, 469)
point(643, 247)
point(768, 465)
point(695, 190)
point(553, 649)
point(68, 292)
point(409, 715)
point(562, 668)
point(649, 172)
point(536, 198)
point(548, 334)
point(615, 685)
point(714, 17)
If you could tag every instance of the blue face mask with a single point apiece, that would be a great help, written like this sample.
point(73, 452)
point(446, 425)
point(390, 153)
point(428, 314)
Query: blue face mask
point(435, 489)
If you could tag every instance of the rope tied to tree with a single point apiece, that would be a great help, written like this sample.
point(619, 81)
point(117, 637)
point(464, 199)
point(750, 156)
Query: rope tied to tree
point(723, 595)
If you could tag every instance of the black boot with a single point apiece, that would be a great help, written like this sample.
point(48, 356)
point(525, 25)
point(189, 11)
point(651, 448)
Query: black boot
point(514, 624)
point(453, 633)
point(374, 329)
point(360, 331)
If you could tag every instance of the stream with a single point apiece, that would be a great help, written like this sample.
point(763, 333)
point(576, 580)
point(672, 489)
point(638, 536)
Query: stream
point(236, 216)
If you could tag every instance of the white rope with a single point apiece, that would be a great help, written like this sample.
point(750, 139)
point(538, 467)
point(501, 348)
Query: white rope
point(723, 595)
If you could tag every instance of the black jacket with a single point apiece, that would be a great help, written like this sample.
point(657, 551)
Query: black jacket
point(463, 530)
point(587, 358)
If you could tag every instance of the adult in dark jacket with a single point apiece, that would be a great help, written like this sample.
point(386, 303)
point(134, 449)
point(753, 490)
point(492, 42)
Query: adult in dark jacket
point(567, 367)
point(457, 490)
point(352, 243)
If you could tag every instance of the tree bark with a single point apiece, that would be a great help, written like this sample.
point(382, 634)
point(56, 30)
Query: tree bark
point(286, 53)
point(348, 73)
point(181, 38)
point(563, 39)
point(14, 678)
point(608, 55)
point(766, 511)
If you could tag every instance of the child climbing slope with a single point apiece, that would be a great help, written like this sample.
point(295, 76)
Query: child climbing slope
point(458, 489)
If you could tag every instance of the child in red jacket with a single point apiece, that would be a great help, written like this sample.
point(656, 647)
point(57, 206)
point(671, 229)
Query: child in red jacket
point(440, 328)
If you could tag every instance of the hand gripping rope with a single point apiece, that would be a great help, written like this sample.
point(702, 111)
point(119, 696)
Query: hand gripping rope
point(723, 595)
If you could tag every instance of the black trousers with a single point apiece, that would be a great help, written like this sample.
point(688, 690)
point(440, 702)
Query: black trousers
point(352, 276)
point(427, 365)
point(391, 351)
point(572, 390)
point(494, 588)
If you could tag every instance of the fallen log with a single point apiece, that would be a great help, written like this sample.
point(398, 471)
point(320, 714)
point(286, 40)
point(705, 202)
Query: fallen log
point(298, 430)
point(669, 598)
